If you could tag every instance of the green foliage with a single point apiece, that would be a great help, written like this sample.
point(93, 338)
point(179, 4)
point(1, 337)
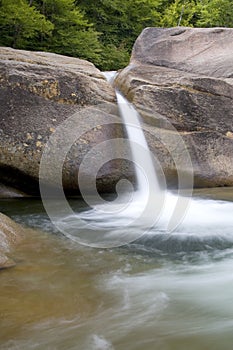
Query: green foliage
point(72, 34)
point(113, 57)
point(198, 13)
point(215, 13)
point(20, 23)
point(119, 23)
point(180, 12)
point(102, 31)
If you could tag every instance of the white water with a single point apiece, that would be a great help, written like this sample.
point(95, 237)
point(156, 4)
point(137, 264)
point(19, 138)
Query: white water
point(204, 218)
point(147, 180)
point(149, 210)
point(131, 214)
point(145, 172)
point(64, 296)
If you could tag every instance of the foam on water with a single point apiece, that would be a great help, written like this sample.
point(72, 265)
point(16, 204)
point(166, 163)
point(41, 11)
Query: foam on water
point(148, 210)
point(203, 216)
point(100, 343)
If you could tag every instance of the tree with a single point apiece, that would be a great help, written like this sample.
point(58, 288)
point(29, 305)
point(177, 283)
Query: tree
point(181, 12)
point(20, 23)
point(198, 13)
point(215, 13)
point(72, 35)
point(119, 23)
point(102, 31)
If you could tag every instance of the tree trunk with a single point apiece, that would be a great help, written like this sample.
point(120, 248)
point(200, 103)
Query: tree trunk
point(17, 30)
point(181, 15)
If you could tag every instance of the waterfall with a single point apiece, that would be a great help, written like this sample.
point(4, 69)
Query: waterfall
point(146, 176)
point(205, 221)
point(149, 212)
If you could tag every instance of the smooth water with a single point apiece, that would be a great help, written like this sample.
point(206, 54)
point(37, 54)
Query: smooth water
point(161, 292)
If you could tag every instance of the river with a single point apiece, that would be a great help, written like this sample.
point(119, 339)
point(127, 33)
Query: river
point(172, 296)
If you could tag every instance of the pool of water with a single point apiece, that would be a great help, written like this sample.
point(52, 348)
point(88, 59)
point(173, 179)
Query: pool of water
point(160, 292)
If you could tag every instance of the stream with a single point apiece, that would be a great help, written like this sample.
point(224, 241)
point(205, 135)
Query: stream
point(132, 283)
point(152, 294)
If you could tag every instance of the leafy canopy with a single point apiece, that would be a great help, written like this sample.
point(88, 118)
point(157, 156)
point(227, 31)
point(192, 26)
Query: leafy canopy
point(21, 23)
point(102, 31)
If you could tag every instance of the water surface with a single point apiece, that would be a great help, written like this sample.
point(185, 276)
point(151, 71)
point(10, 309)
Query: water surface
point(160, 292)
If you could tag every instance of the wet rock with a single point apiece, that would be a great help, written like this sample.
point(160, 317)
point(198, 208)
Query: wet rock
point(5, 262)
point(181, 82)
point(10, 235)
point(38, 92)
point(9, 192)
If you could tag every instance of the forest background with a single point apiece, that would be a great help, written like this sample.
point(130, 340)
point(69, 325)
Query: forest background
point(101, 31)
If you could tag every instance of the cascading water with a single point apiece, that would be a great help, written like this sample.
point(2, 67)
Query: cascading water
point(165, 291)
point(147, 212)
point(206, 220)
point(147, 180)
point(128, 217)
point(143, 164)
point(148, 186)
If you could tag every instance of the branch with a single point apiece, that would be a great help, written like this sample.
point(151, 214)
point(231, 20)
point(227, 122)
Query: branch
point(181, 15)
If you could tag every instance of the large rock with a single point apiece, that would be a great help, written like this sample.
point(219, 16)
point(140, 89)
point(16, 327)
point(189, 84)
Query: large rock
point(38, 92)
point(181, 81)
point(10, 234)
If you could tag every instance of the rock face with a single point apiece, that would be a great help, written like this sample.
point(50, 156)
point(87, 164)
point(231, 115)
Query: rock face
point(181, 81)
point(10, 234)
point(38, 92)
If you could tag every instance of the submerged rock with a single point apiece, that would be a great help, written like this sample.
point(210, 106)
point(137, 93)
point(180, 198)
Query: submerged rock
point(9, 192)
point(38, 92)
point(10, 235)
point(181, 82)
point(5, 262)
